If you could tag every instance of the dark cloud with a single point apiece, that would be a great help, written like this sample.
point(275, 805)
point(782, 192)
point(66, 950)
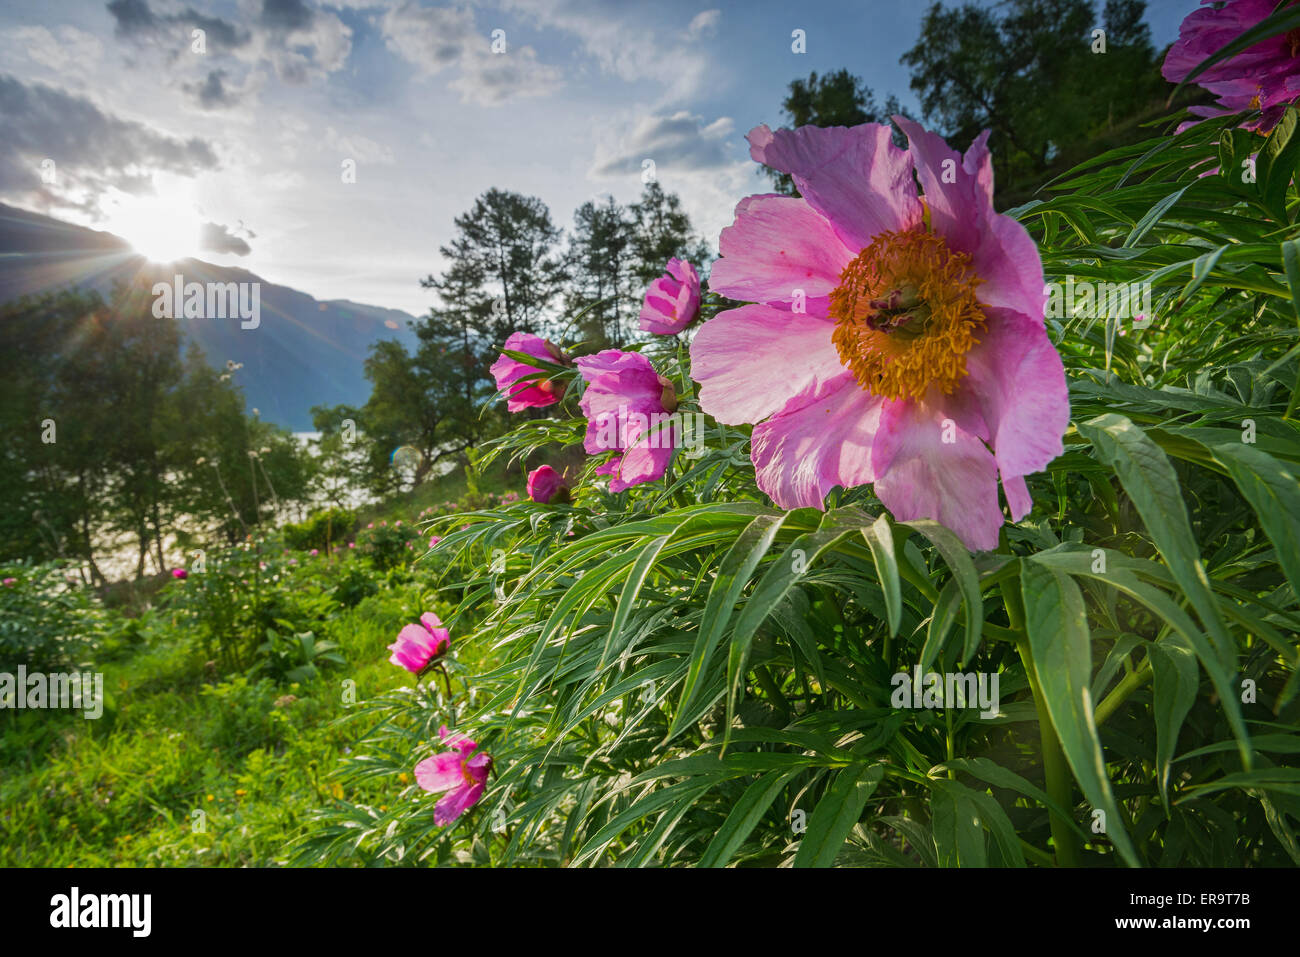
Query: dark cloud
point(212, 93)
point(299, 42)
point(213, 237)
point(136, 21)
point(132, 16)
point(680, 142)
point(91, 150)
point(286, 14)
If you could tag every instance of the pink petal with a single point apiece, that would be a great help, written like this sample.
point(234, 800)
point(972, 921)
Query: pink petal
point(1018, 498)
point(646, 458)
point(779, 244)
point(751, 361)
point(1003, 254)
point(854, 176)
point(440, 772)
point(822, 438)
point(921, 476)
point(1016, 376)
point(456, 803)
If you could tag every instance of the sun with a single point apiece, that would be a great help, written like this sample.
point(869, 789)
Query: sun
point(162, 226)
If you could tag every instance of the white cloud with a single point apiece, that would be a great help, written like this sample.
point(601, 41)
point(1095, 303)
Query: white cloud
point(704, 23)
point(632, 43)
point(435, 39)
point(61, 49)
point(358, 147)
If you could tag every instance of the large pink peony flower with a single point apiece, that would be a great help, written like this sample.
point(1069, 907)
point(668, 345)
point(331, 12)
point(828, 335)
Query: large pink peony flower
point(672, 301)
point(546, 485)
point(509, 372)
point(627, 405)
point(417, 646)
point(1265, 76)
point(461, 773)
point(894, 339)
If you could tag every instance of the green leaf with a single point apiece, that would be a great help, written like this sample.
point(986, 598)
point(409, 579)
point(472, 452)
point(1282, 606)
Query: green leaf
point(1119, 574)
point(1175, 681)
point(771, 589)
point(1274, 493)
point(995, 774)
point(744, 817)
point(963, 570)
point(1151, 483)
point(880, 539)
point(1057, 623)
point(631, 588)
point(733, 574)
point(1277, 163)
point(836, 814)
point(956, 825)
point(1282, 780)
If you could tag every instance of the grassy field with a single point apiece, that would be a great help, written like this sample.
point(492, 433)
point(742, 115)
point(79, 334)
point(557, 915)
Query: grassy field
point(191, 766)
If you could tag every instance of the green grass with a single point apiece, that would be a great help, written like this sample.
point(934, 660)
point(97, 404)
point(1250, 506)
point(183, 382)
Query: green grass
point(189, 768)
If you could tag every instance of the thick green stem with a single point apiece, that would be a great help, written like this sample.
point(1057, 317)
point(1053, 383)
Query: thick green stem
point(1130, 683)
point(1055, 771)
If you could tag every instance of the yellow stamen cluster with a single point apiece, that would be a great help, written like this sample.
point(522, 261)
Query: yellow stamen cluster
point(906, 315)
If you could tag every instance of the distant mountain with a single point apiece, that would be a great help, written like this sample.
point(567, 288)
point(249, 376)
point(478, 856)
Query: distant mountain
point(304, 351)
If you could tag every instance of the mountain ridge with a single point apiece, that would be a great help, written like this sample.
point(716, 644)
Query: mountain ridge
point(303, 352)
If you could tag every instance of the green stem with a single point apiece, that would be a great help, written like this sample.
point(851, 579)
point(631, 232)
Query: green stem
point(1130, 683)
point(1055, 772)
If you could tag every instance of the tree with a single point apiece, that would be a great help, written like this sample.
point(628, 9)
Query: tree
point(1033, 74)
point(661, 230)
point(600, 273)
point(505, 252)
point(616, 251)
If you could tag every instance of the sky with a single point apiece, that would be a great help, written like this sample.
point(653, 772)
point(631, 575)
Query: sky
point(328, 146)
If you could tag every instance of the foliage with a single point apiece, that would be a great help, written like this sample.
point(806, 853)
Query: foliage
point(47, 622)
point(1032, 72)
point(687, 675)
point(324, 530)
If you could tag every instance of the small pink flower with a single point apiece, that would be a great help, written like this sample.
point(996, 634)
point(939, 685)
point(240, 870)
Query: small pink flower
point(1265, 76)
point(627, 405)
point(10, 582)
point(510, 497)
point(919, 361)
point(397, 524)
point(545, 484)
point(535, 392)
point(673, 301)
point(180, 573)
point(418, 646)
point(352, 544)
point(371, 525)
point(434, 540)
point(461, 773)
point(314, 552)
point(383, 524)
